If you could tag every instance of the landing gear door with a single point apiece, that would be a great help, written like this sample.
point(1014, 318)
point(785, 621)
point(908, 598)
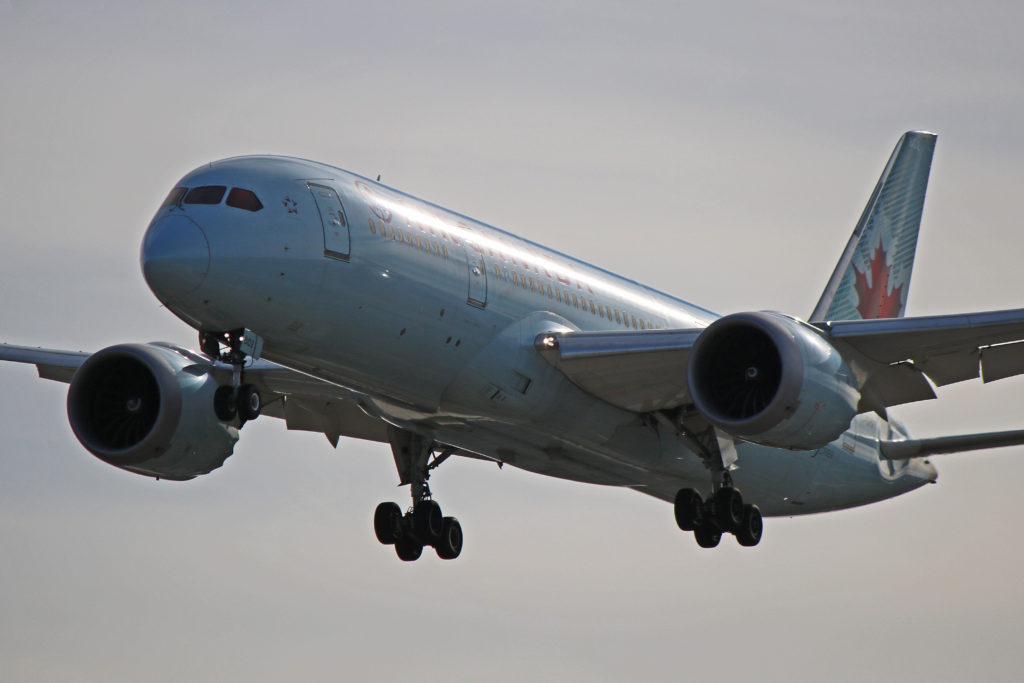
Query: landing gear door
point(477, 295)
point(332, 215)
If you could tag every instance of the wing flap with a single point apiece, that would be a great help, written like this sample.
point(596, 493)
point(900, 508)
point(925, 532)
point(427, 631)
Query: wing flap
point(894, 385)
point(334, 418)
point(52, 364)
point(638, 371)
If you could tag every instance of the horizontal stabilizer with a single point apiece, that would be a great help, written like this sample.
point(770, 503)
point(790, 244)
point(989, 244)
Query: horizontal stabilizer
point(912, 448)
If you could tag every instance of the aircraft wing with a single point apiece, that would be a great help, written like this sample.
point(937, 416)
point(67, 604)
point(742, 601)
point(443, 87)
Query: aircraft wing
point(52, 364)
point(646, 371)
point(638, 371)
point(304, 402)
point(946, 348)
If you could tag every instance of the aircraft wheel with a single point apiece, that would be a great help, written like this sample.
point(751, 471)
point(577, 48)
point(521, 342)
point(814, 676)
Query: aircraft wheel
point(224, 404)
point(387, 523)
point(449, 545)
point(249, 402)
point(707, 536)
point(728, 507)
point(408, 549)
point(427, 521)
point(687, 509)
point(749, 532)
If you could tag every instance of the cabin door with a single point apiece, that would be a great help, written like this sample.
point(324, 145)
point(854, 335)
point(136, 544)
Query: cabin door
point(332, 215)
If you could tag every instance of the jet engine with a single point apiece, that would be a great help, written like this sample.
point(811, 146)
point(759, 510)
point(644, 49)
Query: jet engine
point(148, 409)
point(772, 380)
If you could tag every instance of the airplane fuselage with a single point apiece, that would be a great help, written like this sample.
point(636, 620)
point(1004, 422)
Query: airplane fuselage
point(427, 319)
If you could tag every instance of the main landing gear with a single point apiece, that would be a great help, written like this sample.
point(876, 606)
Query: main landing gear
point(237, 400)
point(723, 513)
point(423, 524)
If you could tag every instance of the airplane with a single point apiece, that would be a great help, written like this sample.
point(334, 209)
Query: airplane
point(346, 307)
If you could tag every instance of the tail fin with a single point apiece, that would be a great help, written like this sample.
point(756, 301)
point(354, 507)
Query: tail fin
point(872, 277)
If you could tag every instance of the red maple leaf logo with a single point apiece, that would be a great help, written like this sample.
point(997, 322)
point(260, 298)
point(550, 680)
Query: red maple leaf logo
point(875, 301)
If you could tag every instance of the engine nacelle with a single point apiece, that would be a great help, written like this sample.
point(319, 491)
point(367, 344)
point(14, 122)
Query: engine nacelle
point(148, 409)
point(772, 380)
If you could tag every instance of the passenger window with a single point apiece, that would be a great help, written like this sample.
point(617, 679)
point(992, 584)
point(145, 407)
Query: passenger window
point(575, 301)
point(373, 227)
point(608, 310)
point(600, 310)
point(558, 295)
point(592, 311)
point(617, 318)
point(174, 197)
point(207, 194)
point(550, 295)
point(246, 199)
point(634, 320)
point(642, 324)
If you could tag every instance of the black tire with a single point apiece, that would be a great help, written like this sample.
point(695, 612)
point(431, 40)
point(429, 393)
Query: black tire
point(224, 404)
point(687, 509)
point(249, 403)
point(449, 545)
point(749, 532)
point(728, 506)
point(707, 535)
point(387, 523)
point(427, 521)
point(408, 549)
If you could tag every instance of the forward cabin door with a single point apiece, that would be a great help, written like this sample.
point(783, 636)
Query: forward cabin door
point(332, 215)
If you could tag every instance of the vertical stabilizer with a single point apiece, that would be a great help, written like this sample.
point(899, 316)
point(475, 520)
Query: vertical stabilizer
point(872, 277)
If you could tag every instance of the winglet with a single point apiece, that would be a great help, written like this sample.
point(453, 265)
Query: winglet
point(872, 277)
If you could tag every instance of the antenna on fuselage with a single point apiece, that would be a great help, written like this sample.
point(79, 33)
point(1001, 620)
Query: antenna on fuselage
point(378, 177)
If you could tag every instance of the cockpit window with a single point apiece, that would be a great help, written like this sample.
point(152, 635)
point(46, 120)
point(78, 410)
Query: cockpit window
point(174, 198)
point(244, 199)
point(207, 194)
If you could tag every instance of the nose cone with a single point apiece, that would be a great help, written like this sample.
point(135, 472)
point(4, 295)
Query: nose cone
point(175, 256)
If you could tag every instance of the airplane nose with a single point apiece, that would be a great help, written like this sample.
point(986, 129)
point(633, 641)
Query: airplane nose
point(175, 256)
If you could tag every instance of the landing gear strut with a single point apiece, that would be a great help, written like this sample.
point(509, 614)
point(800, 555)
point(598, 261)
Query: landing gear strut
point(423, 524)
point(239, 400)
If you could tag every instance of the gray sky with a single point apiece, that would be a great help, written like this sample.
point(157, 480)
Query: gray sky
point(721, 152)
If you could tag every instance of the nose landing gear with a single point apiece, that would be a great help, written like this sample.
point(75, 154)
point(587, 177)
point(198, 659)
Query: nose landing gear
point(239, 400)
point(423, 524)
